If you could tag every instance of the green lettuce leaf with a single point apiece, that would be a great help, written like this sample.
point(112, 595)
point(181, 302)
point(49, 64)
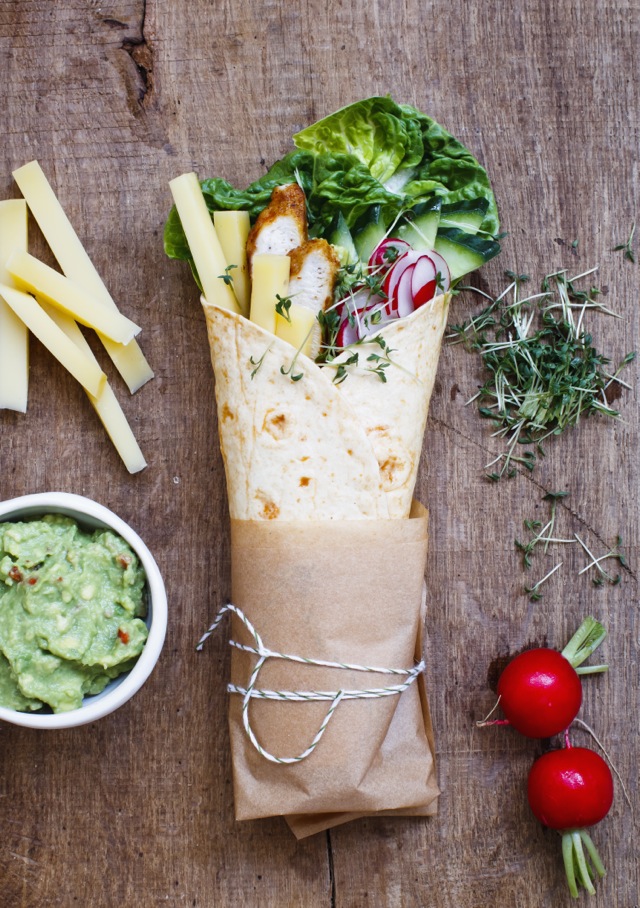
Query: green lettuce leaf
point(373, 152)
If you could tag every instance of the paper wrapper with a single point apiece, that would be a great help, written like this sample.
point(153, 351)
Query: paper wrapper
point(347, 591)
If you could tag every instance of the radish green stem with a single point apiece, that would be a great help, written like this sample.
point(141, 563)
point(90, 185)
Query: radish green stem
point(567, 856)
point(584, 642)
point(576, 865)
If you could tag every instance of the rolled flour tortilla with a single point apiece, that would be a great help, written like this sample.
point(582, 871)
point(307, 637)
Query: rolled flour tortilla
point(312, 448)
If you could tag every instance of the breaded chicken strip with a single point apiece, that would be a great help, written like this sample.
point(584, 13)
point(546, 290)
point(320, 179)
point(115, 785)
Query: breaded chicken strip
point(282, 225)
point(314, 267)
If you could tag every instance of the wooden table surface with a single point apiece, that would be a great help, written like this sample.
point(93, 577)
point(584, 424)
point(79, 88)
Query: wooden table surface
point(115, 98)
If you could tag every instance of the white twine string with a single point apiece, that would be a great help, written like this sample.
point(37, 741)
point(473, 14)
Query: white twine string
point(335, 697)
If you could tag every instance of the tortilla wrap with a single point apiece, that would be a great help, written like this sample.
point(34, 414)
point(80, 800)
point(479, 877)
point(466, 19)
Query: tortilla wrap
point(320, 477)
point(312, 448)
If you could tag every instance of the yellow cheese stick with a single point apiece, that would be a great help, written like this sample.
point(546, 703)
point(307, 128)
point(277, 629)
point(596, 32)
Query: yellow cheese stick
point(31, 274)
point(203, 241)
point(270, 280)
point(14, 337)
point(233, 228)
point(299, 329)
point(106, 403)
point(85, 370)
point(76, 264)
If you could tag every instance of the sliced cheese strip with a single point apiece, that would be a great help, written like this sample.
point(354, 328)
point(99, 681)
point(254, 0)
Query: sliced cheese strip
point(14, 337)
point(106, 403)
point(31, 274)
point(299, 330)
point(270, 280)
point(84, 369)
point(76, 264)
point(233, 228)
point(204, 244)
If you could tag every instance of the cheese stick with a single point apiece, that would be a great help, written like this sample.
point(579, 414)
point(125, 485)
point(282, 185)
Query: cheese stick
point(204, 244)
point(77, 266)
point(14, 337)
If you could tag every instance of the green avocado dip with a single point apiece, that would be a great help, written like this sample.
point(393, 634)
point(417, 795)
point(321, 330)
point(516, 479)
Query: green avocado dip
point(71, 610)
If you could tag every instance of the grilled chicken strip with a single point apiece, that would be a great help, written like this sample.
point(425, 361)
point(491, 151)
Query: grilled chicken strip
point(282, 225)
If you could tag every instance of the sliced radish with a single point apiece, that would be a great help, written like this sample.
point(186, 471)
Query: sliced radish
point(388, 252)
point(443, 269)
point(347, 332)
point(403, 293)
point(423, 281)
point(394, 274)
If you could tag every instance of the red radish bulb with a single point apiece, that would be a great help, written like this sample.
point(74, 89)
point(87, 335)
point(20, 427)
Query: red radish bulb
point(569, 789)
point(540, 693)
point(540, 690)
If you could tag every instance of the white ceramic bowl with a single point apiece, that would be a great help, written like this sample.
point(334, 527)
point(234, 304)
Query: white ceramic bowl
point(91, 515)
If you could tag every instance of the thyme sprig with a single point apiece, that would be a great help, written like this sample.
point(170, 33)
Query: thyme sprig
point(544, 374)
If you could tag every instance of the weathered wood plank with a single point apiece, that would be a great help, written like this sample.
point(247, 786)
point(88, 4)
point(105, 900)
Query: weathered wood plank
point(116, 98)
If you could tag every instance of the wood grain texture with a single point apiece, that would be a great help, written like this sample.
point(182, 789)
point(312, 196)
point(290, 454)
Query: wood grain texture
point(115, 99)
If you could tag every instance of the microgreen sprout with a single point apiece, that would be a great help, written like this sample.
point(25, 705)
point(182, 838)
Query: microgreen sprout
point(628, 246)
point(283, 305)
point(542, 535)
point(603, 576)
point(226, 277)
point(544, 374)
point(258, 362)
point(534, 591)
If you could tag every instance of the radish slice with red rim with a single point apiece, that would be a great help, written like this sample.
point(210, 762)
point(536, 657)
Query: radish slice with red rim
point(347, 332)
point(403, 293)
point(423, 281)
point(443, 269)
point(394, 274)
point(388, 252)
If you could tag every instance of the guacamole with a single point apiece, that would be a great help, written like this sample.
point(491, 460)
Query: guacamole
point(71, 612)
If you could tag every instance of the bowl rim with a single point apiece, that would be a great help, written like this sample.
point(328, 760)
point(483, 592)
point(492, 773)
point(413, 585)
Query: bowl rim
point(77, 507)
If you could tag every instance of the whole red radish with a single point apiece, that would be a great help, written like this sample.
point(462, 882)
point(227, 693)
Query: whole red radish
point(540, 693)
point(568, 790)
point(540, 690)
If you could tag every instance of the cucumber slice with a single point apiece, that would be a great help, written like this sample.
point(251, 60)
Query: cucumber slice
point(466, 215)
point(339, 235)
point(464, 252)
point(367, 236)
point(420, 225)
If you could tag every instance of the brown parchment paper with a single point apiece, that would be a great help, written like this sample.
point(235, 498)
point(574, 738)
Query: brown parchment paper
point(343, 591)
